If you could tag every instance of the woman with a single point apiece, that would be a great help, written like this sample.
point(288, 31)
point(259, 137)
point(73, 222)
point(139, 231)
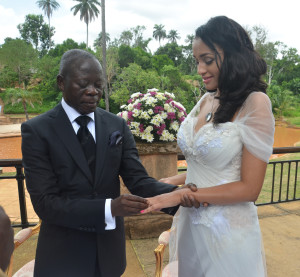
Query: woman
point(227, 140)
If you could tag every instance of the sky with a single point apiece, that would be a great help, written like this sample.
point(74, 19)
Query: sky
point(280, 18)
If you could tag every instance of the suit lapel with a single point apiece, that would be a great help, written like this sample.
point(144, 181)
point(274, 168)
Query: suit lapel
point(67, 135)
point(101, 143)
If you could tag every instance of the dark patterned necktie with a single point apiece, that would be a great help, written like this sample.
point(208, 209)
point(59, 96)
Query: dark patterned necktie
point(87, 141)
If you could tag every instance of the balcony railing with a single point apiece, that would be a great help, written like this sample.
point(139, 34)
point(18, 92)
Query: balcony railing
point(282, 179)
point(281, 182)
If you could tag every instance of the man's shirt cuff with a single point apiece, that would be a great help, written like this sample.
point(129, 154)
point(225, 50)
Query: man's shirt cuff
point(109, 219)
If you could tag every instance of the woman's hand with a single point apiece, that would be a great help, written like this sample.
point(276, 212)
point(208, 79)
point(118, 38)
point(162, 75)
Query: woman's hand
point(166, 200)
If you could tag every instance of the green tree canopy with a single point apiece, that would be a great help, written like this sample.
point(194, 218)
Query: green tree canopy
point(159, 61)
point(126, 55)
point(20, 57)
point(142, 58)
point(173, 51)
point(67, 44)
point(133, 79)
point(35, 31)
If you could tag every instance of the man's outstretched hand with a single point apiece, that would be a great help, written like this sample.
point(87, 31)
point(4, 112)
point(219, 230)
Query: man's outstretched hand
point(128, 204)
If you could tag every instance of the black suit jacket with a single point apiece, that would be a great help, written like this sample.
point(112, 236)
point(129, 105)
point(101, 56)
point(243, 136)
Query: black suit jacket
point(70, 204)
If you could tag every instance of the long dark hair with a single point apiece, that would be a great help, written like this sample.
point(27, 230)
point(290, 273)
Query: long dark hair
point(241, 69)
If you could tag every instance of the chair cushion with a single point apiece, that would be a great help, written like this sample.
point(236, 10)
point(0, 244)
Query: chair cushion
point(22, 235)
point(164, 238)
point(26, 270)
point(170, 270)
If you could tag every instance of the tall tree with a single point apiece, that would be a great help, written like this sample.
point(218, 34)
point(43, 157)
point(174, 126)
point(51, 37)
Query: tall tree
point(104, 55)
point(188, 65)
point(88, 11)
point(268, 50)
point(159, 32)
point(35, 31)
point(48, 6)
point(173, 36)
point(138, 40)
point(126, 37)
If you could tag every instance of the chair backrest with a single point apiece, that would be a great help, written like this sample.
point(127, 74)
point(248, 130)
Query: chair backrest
point(20, 238)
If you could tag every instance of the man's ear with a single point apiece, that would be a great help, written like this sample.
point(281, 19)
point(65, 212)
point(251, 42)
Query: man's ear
point(60, 82)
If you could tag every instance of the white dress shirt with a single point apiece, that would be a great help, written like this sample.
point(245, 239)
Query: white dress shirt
point(72, 115)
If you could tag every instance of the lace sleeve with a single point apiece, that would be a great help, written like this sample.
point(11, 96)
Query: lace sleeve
point(257, 125)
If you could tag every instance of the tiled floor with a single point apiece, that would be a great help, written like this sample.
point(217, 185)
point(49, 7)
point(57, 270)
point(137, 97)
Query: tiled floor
point(9, 201)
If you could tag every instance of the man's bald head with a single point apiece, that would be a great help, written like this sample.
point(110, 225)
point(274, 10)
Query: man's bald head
point(71, 58)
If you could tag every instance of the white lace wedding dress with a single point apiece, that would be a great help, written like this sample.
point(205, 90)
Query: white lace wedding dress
point(221, 241)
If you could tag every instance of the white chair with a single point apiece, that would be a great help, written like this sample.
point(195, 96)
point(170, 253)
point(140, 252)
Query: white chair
point(171, 269)
point(20, 238)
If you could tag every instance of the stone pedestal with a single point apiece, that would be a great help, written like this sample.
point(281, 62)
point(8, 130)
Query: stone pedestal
point(160, 160)
point(147, 226)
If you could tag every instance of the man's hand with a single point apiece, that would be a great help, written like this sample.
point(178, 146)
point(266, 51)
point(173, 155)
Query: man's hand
point(128, 204)
point(188, 200)
point(6, 239)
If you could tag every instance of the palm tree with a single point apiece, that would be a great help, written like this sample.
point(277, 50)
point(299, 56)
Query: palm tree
point(23, 96)
point(159, 32)
point(48, 6)
point(173, 36)
point(99, 39)
point(189, 40)
point(88, 11)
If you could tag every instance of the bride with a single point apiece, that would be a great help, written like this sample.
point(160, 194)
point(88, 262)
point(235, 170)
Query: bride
point(227, 140)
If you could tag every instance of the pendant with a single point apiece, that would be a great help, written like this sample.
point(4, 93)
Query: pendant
point(208, 117)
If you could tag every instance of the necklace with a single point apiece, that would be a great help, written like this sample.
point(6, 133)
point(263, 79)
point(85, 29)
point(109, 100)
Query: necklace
point(208, 117)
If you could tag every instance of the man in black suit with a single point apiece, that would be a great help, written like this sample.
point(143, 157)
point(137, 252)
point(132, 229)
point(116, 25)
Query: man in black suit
point(77, 195)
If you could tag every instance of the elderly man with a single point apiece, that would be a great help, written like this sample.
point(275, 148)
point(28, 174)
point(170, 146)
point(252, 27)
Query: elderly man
point(73, 156)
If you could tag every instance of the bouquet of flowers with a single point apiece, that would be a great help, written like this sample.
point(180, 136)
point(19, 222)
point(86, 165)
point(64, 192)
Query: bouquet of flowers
point(153, 116)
